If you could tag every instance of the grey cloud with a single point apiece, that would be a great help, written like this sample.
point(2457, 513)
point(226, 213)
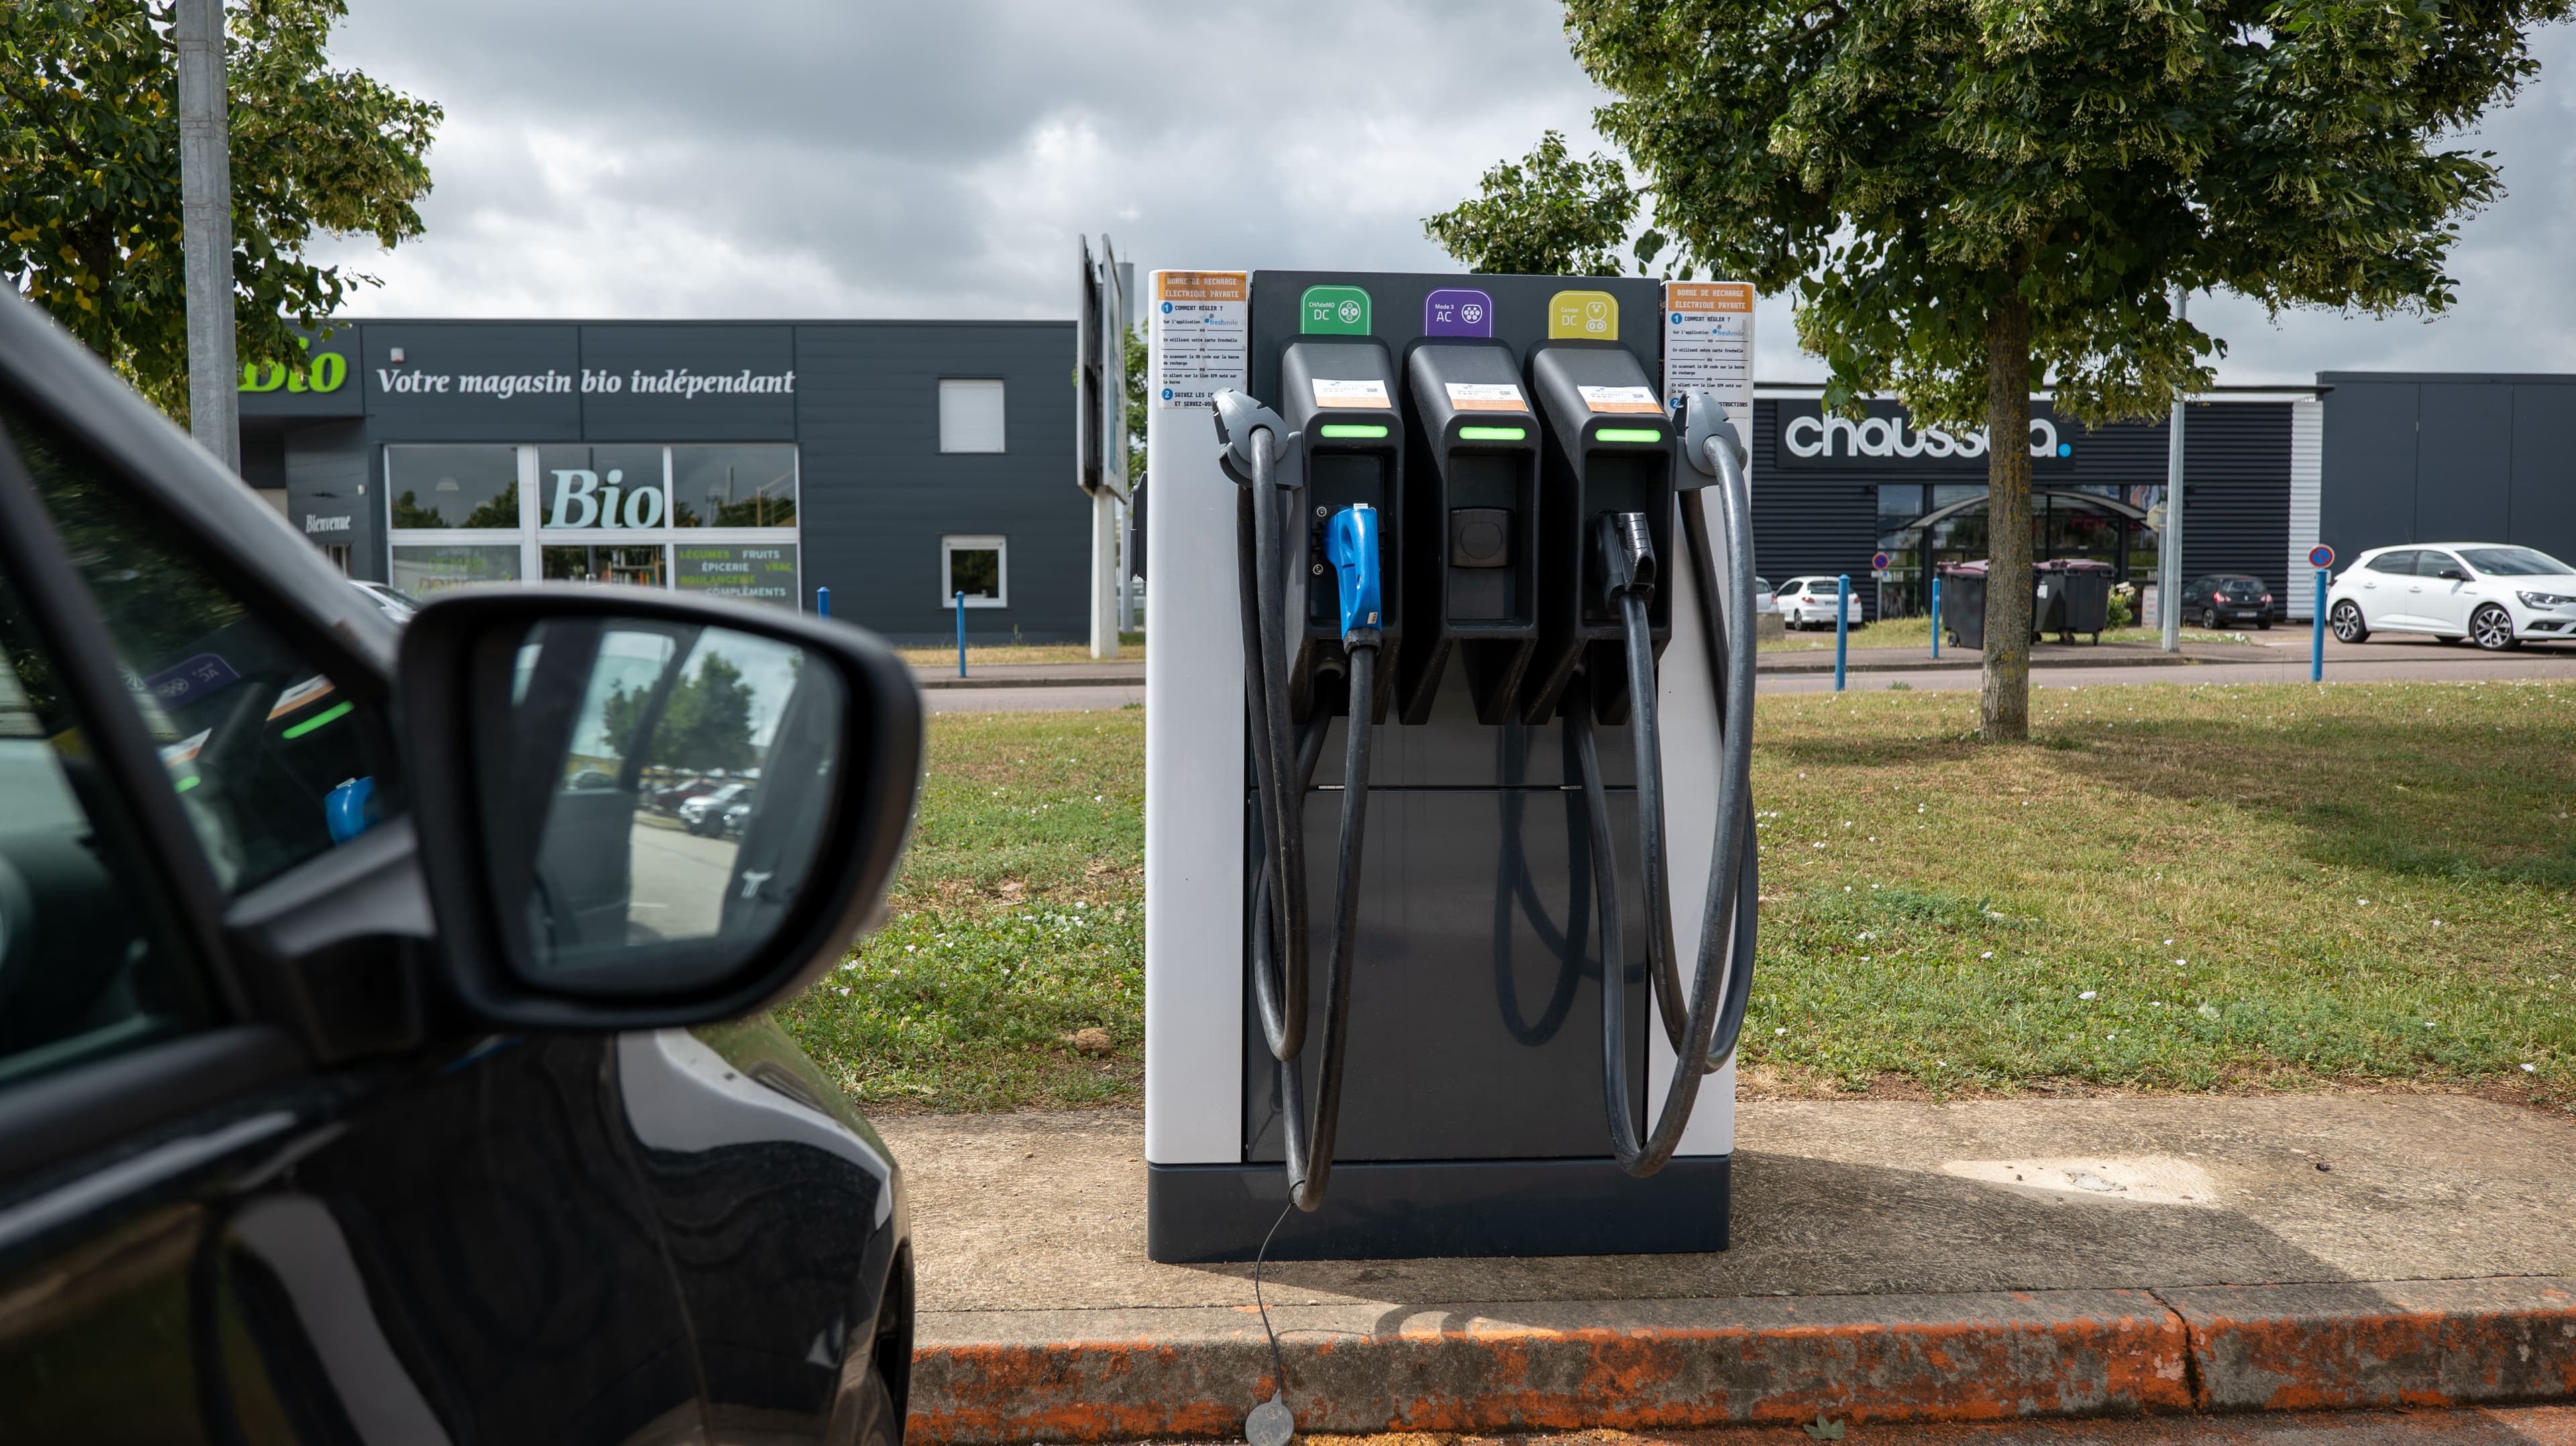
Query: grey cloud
point(649, 158)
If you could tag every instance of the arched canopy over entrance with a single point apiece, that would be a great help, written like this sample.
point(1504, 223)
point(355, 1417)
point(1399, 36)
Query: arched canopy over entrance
point(2066, 522)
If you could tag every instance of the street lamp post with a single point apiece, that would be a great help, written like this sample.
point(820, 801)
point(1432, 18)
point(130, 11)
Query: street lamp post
point(206, 230)
point(2169, 546)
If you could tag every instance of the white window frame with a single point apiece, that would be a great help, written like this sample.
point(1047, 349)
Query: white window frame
point(1002, 419)
point(952, 543)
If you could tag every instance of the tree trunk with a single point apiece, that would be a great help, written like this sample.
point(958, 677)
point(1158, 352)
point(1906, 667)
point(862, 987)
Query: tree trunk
point(2003, 701)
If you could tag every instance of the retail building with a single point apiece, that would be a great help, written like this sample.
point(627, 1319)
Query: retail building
point(897, 464)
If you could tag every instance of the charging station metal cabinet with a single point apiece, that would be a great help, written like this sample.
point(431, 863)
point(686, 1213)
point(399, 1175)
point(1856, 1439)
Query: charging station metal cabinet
point(1343, 397)
point(1610, 449)
point(1472, 1120)
point(1475, 585)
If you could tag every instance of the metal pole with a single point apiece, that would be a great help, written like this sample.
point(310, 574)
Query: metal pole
point(2169, 547)
point(822, 602)
point(2317, 634)
point(1842, 626)
point(1936, 615)
point(961, 634)
point(206, 230)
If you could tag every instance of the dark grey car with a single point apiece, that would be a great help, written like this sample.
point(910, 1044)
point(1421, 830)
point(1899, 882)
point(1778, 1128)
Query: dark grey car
point(375, 1066)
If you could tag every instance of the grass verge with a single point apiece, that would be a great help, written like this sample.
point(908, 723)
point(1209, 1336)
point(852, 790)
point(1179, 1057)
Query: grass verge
point(1917, 633)
point(2171, 888)
point(1131, 653)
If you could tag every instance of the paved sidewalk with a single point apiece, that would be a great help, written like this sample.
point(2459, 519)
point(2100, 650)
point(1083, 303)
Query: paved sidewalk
point(1893, 1261)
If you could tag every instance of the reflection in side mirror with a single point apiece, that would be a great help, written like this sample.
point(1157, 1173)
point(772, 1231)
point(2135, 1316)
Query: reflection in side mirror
point(638, 812)
point(656, 798)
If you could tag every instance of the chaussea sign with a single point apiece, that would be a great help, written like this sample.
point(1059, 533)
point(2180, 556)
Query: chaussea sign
point(1888, 440)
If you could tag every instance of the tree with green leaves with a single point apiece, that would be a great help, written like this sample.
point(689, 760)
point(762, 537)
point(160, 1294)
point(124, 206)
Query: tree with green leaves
point(705, 722)
point(1973, 198)
point(89, 175)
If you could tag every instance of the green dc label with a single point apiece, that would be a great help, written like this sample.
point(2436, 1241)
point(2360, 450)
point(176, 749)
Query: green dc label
point(1333, 311)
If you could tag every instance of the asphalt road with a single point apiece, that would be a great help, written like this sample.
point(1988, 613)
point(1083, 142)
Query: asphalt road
point(2386, 658)
point(679, 880)
point(2394, 660)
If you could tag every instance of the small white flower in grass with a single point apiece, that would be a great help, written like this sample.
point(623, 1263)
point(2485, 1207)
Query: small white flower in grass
point(1780, 1031)
point(2087, 994)
point(2182, 961)
point(2531, 1069)
point(907, 948)
point(1864, 958)
point(853, 964)
point(2428, 1024)
point(2361, 901)
point(1989, 954)
point(2169, 942)
point(845, 993)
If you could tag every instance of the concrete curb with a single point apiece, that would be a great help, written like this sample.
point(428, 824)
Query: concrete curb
point(984, 1377)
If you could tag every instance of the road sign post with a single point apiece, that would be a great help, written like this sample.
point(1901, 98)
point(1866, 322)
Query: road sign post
point(2320, 557)
point(1842, 625)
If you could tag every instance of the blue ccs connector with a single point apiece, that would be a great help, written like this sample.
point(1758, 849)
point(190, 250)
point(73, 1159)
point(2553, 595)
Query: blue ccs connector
point(1350, 544)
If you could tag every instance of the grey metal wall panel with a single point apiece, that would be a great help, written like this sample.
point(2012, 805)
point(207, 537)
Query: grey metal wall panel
point(2463, 461)
point(2366, 494)
point(327, 472)
point(879, 494)
point(664, 383)
point(2236, 465)
point(2542, 506)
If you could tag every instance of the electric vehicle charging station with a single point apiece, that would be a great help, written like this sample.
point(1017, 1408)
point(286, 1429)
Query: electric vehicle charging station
point(1463, 503)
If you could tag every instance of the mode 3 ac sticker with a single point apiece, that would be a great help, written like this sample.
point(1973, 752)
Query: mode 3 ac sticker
point(1486, 397)
point(1640, 400)
point(1371, 395)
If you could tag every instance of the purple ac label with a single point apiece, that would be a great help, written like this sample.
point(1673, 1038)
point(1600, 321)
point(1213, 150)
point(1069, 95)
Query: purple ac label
point(1457, 311)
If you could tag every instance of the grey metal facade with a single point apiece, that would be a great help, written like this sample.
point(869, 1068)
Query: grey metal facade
point(2448, 457)
point(1820, 515)
point(860, 401)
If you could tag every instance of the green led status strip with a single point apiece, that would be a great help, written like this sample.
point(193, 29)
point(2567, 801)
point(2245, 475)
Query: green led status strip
point(332, 714)
point(1351, 429)
point(1491, 434)
point(189, 782)
point(1629, 434)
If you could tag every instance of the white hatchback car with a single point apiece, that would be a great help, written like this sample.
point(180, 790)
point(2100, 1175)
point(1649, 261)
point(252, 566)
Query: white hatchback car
point(1808, 602)
point(2493, 594)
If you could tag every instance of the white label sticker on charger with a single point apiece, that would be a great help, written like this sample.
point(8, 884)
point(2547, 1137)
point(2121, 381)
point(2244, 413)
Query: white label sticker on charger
point(1350, 394)
point(1486, 397)
point(1622, 399)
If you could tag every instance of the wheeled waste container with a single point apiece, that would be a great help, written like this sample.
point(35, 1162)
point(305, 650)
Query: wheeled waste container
point(1963, 602)
point(2070, 595)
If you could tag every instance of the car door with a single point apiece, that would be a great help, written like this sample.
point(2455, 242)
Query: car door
point(2386, 589)
point(2443, 602)
point(240, 1203)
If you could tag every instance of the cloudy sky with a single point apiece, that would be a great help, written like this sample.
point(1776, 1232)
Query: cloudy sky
point(792, 158)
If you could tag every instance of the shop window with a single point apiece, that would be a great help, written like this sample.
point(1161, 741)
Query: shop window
point(970, 415)
point(976, 566)
point(425, 572)
point(453, 487)
point(733, 486)
point(624, 566)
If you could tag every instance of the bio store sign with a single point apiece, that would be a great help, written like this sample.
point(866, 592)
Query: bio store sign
point(324, 373)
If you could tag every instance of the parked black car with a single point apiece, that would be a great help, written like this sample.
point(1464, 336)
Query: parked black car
point(2220, 598)
point(373, 1066)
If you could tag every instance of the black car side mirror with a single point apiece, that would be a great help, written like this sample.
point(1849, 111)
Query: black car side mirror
point(2452, 574)
point(558, 735)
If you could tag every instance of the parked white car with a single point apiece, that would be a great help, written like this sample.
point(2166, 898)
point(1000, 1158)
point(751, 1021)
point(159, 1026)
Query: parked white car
point(1808, 602)
point(2493, 594)
point(1766, 598)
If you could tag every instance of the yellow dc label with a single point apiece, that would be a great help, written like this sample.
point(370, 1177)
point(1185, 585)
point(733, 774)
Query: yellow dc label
point(1583, 316)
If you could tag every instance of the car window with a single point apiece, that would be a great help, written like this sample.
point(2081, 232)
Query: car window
point(2400, 563)
point(2514, 562)
point(273, 759)
point(2430, 564)
point(88, 965)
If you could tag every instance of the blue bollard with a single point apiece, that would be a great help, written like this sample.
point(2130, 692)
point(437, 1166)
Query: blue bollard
point(1842, 626)
point(1936, 615)
point(822, 602)
point(961, 634)
point(2317, 638)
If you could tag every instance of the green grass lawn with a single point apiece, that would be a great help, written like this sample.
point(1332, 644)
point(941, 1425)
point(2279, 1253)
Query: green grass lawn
point(2257, 888)
point(1131, 653)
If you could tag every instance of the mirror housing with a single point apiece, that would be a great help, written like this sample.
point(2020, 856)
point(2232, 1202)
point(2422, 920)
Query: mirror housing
point(463, 659)
point(2453, 574)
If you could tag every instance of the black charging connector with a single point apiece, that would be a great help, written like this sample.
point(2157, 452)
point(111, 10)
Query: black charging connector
point(1627, 550)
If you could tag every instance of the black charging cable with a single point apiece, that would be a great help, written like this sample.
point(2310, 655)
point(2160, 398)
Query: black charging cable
point(1283, 762)
point(1710, 1022)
